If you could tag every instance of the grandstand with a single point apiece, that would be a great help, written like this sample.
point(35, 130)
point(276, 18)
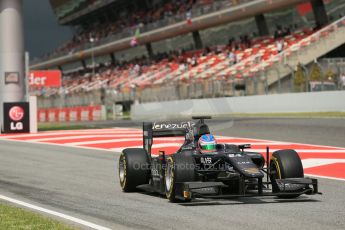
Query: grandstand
point(168, 50)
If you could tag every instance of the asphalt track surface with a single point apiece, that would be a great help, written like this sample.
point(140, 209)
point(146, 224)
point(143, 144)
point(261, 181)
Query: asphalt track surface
point(84, 184)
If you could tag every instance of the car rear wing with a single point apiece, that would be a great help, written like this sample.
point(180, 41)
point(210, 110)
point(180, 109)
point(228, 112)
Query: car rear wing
point(163, 129)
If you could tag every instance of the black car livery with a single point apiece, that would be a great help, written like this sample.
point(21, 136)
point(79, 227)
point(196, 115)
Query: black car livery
point(231, 171)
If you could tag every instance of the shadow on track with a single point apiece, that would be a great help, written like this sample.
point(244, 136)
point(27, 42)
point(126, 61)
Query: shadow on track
point(244, 201)
point(234, 201)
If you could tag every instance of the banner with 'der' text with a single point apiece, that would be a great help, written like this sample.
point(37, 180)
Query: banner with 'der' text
point(45, 78)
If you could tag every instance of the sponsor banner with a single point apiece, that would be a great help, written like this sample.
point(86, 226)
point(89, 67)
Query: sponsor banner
point(49, 78)
point(81, 113)
point(16, 117)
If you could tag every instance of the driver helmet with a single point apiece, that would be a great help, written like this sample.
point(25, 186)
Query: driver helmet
point(207, 143)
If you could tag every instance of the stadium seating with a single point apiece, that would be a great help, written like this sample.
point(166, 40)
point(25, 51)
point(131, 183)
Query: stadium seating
point(208, 65)
point(129, 21)
point(193, 66)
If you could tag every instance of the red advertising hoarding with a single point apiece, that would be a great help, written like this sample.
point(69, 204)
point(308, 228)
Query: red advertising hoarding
point(306, 8)
point(46, 78)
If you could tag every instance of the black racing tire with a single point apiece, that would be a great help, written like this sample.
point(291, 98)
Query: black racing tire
point(286, 164)
point(179, 168)
point(134, 169)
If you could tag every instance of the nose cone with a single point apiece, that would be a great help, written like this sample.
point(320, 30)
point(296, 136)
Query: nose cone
point(245, 166)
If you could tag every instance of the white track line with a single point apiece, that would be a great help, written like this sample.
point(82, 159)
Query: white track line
point(58, 214)
point(165, 145)
point(316, 162)
point(252, 150)
point(102, 141)
point(84, 137)
point(96, 130)
point(43, 134)
point(108, 141)
point(60, 145)
point(306, 150)
point(293, 143)
point(252, 144)
point(325, 177)
point(119, 137)
point(115, 136)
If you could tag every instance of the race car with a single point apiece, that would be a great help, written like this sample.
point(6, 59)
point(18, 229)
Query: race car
point(229, 171)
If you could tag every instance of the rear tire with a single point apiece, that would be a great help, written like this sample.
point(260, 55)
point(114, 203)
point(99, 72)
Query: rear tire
point(286, 164)
point(179, 168)
point(134, 169)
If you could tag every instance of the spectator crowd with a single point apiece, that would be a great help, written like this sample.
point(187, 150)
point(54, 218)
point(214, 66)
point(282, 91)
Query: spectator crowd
point(130, 18)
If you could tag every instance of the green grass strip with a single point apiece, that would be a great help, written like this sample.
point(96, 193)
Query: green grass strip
point(18, 219)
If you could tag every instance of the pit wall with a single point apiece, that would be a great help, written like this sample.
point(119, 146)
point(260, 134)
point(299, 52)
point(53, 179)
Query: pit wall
point(331, 101)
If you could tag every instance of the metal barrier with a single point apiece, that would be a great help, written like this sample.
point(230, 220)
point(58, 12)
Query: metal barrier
point(224, 87)
point(70, 100)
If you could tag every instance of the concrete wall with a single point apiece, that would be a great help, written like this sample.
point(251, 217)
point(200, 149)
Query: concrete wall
point(277, 103)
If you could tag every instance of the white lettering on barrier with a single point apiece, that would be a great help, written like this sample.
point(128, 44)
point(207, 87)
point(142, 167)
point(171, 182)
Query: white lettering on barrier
point(42, 116)
point(84, 115)
point(73, 115)
point(51, 116)
point(96, 115)
point(62, 116)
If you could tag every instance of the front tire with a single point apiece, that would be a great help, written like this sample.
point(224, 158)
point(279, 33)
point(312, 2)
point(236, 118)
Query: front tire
point(285, 164)
point(179, 168)
point(134, 169)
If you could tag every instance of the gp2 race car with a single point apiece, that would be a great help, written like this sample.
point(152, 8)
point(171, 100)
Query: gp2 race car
point(229, 172)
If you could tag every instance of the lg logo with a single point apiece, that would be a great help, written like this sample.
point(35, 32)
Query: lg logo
point(16, 114)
